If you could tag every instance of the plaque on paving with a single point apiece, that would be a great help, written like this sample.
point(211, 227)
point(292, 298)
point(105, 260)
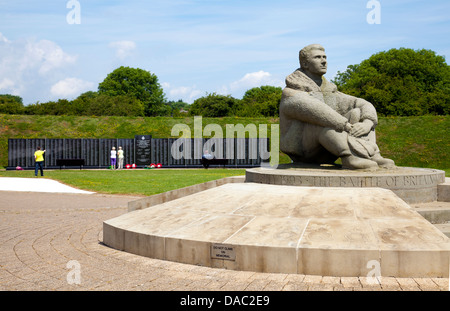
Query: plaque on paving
point(143, 149)
point(223, 251)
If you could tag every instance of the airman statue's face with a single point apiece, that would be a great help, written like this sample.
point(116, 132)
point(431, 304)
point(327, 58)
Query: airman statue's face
point(317, 62)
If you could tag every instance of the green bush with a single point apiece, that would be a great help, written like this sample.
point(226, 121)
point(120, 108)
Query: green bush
point(400, 82)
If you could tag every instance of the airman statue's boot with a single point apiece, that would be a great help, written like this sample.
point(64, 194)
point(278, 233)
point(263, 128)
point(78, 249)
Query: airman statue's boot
point(355, 163)
point(383, 162)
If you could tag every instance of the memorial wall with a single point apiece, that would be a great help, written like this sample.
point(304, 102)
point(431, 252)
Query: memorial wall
point(143, 150)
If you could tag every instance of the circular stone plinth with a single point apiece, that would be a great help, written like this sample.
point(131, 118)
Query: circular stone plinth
point(413, 185)
point(281, 229)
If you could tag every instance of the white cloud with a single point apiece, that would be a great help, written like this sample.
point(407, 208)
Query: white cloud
point(165, 85)
point(3, 38)
point(236, 89)
point(28, 67)
point(250, 80)
point(123, 48)
point(70, 87)
point(46, 55)
point(6, 84)
point(186, 93)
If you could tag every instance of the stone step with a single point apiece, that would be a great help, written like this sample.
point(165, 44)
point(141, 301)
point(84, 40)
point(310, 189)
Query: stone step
point(444, 191)
point(444, 228)
point(435, 212)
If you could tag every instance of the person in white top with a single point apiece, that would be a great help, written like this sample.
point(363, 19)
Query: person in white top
point(120, 158)
point(113, 157)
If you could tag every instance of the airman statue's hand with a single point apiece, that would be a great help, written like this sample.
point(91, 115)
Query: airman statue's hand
point(361, 128)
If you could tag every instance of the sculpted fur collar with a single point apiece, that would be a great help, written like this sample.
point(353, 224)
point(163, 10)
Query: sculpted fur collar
point(298, 80)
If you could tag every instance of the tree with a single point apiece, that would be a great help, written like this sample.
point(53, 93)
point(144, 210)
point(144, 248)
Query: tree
point(81, 104)
point(138, 83)
point(214, 106)
point(261, 101)
point(401, 82)
point(57, 108)
point(119, 105)
point(177, 108)
point(11, 104)
point(178, 105)
point(90, 104)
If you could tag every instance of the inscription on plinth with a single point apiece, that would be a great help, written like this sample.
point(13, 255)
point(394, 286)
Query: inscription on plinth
point(387, 181)
point(414, 185)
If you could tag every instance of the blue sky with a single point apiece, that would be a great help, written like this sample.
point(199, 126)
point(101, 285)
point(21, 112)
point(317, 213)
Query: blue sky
point(197, 47)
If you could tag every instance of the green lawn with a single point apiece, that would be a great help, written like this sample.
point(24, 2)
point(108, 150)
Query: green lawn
point(416, 141)
point(135, 182)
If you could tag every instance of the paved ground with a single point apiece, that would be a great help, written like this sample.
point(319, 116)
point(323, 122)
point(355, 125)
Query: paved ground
point(52, 241)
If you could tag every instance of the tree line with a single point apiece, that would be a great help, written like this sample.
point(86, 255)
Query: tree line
point(398, 82)
point(136, 92)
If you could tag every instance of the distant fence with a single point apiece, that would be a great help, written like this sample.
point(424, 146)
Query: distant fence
point(143, 150)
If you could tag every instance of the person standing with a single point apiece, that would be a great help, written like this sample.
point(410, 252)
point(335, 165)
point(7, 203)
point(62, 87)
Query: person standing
point(113, 158)
point(120, 158)
point(39, 160)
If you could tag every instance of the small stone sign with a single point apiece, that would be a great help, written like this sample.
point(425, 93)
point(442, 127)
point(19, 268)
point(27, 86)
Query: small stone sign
point(223, 251)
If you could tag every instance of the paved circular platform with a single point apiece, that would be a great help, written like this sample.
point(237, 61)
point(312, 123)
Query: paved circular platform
point(327, 231)
point(414, 185)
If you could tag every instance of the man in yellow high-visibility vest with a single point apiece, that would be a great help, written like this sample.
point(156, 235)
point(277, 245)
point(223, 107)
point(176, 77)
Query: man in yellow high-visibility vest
point(39, 159)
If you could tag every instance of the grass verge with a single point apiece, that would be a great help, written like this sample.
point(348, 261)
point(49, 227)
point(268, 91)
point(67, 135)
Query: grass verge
point(132, 182)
